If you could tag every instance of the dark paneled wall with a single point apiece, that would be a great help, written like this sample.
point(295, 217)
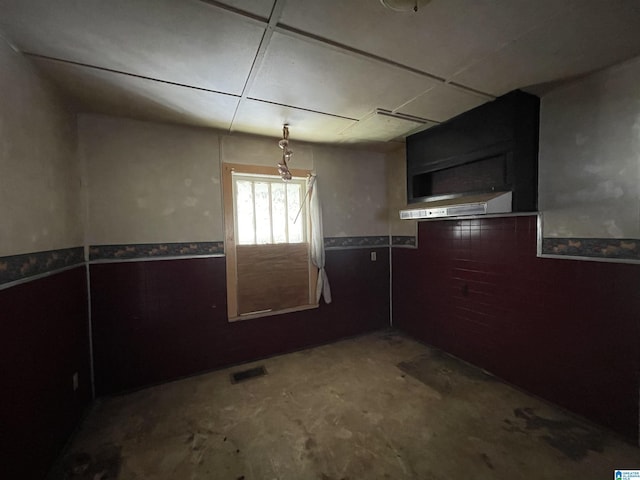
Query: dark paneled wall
point(43, 341)
point(161, 320)
point(565, 330)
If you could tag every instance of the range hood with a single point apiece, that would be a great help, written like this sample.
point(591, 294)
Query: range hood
point(479, 204)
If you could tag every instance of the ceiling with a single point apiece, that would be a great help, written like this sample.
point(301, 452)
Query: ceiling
point(337, 71)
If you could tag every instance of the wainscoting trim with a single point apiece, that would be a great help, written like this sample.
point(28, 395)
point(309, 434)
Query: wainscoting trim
point(17, 269)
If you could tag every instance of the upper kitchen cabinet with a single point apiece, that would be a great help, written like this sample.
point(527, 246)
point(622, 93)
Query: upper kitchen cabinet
point(492, 148)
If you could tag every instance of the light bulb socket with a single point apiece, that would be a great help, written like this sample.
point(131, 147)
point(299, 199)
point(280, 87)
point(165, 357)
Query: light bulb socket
point(284, 172)
point(404, 5)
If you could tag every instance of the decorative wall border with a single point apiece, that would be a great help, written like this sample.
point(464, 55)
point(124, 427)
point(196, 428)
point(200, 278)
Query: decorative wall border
point(154, 250)
point(404, 241)
point(603, 248)
point(143, 251)
point(18, 267)
point(356, 242)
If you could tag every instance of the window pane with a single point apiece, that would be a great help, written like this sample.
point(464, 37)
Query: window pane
point(263, 212)
point(244, 206)
point(294, 197)
point(266, 210)
point(279, 212)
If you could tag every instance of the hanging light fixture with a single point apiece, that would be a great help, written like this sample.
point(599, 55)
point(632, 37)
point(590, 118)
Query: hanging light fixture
point(283, 168)
point(404, 5)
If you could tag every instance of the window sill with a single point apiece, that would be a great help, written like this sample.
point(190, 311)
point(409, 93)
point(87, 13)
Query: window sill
point(270, 313)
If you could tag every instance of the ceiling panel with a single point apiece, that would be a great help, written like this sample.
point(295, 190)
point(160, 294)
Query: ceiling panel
point(187, 42)
point(97, 91)
point(267, 119)
point(383, 127)
point(593, 35)
point(317, 77)
point(441, 38)
point(443, 102)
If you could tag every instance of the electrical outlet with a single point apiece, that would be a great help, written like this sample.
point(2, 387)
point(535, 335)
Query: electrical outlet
point(373, 256)
point(75, 381)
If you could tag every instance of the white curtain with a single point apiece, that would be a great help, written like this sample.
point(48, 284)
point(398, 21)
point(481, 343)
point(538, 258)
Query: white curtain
point(317, 240)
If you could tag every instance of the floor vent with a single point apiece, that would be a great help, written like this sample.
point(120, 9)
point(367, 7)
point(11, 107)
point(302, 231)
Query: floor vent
point(243, 375)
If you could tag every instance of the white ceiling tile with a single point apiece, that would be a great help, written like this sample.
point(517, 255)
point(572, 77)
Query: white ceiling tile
point(317, 77)
point(593, 35)
point(441, 38)
point(98, 91)
point(267, 119)
point(382, 127)
point(187, 42)
point(442, 103)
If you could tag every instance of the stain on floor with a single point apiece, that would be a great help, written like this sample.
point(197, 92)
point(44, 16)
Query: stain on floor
point(442, 372)
point(573, 438)
point(392, 338)
point(103, 465)
point(487, 461)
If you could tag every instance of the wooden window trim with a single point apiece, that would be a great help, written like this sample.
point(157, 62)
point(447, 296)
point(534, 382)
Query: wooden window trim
point(230, 243)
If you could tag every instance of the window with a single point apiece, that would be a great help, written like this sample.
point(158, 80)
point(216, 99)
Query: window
point(266, 242)
point(268, 210)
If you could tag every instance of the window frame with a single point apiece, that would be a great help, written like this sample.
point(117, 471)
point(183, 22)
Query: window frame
point(230, 241)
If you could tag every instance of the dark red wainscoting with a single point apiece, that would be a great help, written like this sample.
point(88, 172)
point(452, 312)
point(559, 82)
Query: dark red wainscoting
point(565, 330)
point(43, 341)
point(161, 320)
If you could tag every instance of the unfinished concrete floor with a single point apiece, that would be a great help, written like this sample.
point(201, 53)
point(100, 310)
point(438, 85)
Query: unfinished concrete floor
point(380, 406)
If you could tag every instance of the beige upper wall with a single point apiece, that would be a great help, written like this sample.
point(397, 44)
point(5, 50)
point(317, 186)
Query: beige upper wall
point(589, 157)
point(40, 201)
point(149, 182)
point(154, 183)
point(397, 193)
point(353, 191)
point(252, 150)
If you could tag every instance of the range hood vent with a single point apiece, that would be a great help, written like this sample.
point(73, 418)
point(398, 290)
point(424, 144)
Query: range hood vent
point(462, 205)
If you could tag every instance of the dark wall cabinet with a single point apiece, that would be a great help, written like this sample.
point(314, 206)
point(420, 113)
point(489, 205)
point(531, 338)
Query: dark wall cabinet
point(493, 147)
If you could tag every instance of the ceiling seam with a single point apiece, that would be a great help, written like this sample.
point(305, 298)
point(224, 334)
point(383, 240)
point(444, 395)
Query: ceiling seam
point(467, 89)
point(396, 110)
point(450, 84)
point(276, 12)
point(294, 32)
point(128, 74)
point(237, 11)
point(302, 109)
